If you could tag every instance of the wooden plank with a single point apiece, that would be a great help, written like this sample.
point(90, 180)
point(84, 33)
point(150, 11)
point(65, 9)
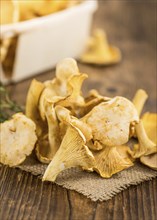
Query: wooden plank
point(80, 207)
point(24, 196)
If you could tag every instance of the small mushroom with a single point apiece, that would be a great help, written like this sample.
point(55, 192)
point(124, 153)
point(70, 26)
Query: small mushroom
point(21, 141)
point(65, 89)
point(99, 52)
point(111, 160)
point(139, 100)
point(8, 14)
point(32, 101)
point(145, 146)
point(73, 152)
point(150, 160)
point(66, 68)
point(9, 8)
point(150, 125)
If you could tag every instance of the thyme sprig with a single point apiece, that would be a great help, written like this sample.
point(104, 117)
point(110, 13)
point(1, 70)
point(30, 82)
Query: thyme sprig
point(7, 106)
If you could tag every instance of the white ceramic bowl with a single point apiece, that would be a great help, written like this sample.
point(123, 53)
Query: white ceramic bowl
point(44, 41)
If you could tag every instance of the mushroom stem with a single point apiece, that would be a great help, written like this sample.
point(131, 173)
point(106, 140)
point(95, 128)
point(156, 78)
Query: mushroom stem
point(53, 129)
point(35, 90)
point(101, 42)
point(145, 146)
point(139, 100)
point(65, 116)
point(150, 124)
point(99, 51)
point(72, 153)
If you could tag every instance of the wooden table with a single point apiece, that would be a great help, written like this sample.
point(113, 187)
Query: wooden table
point(131, 27)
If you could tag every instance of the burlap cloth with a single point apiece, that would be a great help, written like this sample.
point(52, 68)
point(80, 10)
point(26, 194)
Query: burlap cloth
point(91, 184)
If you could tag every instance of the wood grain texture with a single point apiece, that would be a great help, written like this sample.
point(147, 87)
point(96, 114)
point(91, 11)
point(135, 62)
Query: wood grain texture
point(130, 25)
point(24, 196)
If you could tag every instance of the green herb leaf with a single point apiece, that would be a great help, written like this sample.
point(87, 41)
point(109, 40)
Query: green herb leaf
point(7, 106)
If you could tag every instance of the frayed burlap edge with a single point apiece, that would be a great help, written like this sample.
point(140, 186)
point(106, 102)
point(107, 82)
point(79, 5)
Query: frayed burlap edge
point(92, 185)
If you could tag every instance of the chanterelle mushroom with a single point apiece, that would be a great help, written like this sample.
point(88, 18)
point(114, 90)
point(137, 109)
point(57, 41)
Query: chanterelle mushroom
point(49, 143)
point(150, 125)
point(21, 141)
point(150, 160)
point(9, 8)
point(139, 100)
point(106, 126)
point(110, 121)
point(145, 146)
point(35, 90)
point(65, 89)
point(73, 152)
point(91, 130)
point(99, 51)
point(32, 111)
point(58, 87)
point(66, 68)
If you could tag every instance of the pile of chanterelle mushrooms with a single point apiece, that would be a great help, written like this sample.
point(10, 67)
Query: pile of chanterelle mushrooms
point(68, 130)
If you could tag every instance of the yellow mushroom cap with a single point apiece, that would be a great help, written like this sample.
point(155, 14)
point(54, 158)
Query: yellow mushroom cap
point(150, 160)
point(66, 68)
point(8, 11)
point(150, 125)
point(110, 121)
point(33, 96)
point(99, 52)
point(18, 139)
